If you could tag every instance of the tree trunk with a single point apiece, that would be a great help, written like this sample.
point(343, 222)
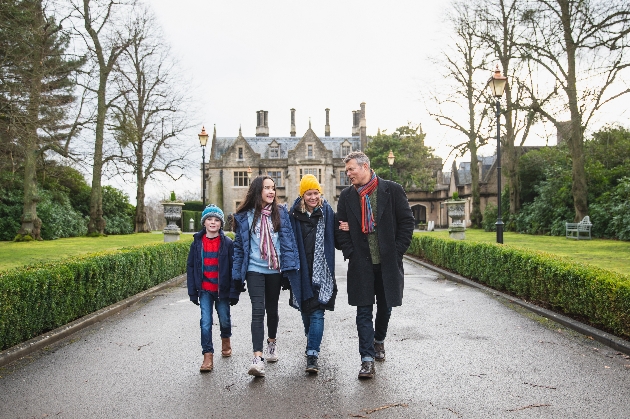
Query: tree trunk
point(96, 224)
point(475, 217)
point(576, 138)
point(31, 224)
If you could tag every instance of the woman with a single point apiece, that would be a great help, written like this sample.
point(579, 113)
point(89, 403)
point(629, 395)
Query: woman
point(315, 290)
point(264, 252)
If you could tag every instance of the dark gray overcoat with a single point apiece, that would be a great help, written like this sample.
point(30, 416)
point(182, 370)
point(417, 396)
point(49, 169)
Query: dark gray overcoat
point(394, 223)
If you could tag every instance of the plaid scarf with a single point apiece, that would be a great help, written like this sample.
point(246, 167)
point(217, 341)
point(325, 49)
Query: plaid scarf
point(367, 217)
point(267, 251)
point(321, 274)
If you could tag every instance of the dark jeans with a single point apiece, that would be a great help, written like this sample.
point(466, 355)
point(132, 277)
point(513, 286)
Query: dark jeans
point(264, 293)
point(368, 331)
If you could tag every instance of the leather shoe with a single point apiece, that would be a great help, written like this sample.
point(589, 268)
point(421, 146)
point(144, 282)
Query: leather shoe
point(367, 369)
point(207, 364)
point(379, 349)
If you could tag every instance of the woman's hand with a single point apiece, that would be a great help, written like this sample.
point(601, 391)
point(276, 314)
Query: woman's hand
point(343, 225)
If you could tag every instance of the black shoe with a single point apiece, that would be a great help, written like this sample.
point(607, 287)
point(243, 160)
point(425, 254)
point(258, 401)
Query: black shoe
point(311, 364)
point(379, 348)
point(367, 369)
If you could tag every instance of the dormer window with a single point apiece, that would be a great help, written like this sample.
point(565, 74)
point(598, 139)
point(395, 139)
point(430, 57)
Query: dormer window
point(240, 153)
point(345, 150)
point(274, 152)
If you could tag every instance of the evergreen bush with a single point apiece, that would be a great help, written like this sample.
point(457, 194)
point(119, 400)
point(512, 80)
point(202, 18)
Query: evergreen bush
point(588, 293)
point(36, 299)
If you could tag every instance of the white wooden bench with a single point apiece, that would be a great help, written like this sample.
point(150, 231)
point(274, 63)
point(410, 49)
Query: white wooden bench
point(581, 230)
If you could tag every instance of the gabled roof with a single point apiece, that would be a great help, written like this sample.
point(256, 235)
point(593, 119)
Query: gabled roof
point(261, 145)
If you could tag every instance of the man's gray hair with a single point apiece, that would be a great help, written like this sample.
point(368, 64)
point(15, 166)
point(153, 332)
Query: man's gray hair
point(359, 156)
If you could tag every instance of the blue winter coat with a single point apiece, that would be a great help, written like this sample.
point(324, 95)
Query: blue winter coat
point(289, 258)
point(228, 288)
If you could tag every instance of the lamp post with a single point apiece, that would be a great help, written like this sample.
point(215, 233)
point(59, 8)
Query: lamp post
point(249, 176)
point(390, 160)
point(497, 85)
point(203, 140)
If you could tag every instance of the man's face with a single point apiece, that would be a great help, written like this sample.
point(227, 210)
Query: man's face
point(359, 174)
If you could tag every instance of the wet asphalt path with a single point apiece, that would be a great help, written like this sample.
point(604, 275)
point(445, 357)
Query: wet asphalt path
point(452, 352)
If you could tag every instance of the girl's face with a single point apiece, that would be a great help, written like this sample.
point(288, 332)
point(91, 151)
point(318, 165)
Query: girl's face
point(268, 192)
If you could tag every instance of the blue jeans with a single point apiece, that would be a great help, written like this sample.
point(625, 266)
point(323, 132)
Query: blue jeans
point(368, 331)
point(314, 330)
point(206, 301)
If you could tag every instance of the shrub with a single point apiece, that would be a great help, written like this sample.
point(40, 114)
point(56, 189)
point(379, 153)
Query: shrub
point(58, 217)
point(36, 299)
point(598, 296)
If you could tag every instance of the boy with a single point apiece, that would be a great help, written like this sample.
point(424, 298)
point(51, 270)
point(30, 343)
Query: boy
point(209, 277)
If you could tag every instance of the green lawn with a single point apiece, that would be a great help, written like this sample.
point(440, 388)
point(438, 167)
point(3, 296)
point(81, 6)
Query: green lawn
point(608, 254)
point(26, 253)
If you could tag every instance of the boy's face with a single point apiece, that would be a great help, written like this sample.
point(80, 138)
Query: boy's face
point(212, 224)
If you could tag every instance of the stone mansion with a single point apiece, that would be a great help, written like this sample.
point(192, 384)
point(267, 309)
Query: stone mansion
point(285, 159)
point(233, 161)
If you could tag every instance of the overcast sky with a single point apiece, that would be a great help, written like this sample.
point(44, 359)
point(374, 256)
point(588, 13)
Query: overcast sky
point(241, 56)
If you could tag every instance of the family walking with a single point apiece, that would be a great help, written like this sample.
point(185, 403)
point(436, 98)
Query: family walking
point(277, 248)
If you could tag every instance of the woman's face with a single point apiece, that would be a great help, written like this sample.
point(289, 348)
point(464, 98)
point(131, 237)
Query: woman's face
point(311, 199)
point(268, 192)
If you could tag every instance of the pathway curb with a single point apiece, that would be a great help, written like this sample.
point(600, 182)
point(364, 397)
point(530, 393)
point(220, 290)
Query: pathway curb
point(40, 342)
point(607, 339)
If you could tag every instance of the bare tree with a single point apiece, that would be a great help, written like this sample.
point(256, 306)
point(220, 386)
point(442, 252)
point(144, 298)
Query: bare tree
point(500, 33)
point(582, 47)
point(105, 44)
point(149, 116)
point(465, 66)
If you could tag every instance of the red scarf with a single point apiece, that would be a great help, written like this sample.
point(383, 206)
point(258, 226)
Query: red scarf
point(367, 217)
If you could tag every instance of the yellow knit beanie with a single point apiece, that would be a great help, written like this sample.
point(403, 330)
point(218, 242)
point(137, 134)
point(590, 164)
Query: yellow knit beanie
point(309, 182)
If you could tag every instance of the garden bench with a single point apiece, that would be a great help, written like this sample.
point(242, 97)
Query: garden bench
point(579, 230)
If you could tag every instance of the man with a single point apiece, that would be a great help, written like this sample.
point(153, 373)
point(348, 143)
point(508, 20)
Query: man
point(380, 228)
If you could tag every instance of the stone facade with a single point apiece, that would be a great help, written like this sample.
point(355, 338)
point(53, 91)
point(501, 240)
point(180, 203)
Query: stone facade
point(286, 159)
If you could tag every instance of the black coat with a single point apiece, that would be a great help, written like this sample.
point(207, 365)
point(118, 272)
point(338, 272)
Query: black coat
point(394, 223)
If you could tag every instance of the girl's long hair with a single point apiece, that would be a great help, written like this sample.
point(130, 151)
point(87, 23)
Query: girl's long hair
point(253, 199)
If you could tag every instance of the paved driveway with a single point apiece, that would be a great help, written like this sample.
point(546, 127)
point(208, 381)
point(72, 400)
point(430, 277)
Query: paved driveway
point(452, 352)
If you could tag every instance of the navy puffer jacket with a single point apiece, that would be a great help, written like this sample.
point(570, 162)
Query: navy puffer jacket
point(228, 288)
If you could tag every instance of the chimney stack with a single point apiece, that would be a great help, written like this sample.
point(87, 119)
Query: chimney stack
point(327, 127)
point(355, 123)
point(362, 128)
point(292, 122)
point(262, 125)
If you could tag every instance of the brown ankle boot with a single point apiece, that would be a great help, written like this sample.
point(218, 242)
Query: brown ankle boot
point(207, 364)
point(226, 348)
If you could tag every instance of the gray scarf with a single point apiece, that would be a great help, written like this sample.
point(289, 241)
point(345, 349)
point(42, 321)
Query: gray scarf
point(321, 273)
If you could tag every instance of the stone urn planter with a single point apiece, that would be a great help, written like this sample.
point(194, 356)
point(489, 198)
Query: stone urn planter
point(456, 210)
point(172, 213)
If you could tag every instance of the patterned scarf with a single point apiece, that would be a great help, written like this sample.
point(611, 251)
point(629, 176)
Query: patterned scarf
point(267, 251)
point(321, 273)
point(367, 218)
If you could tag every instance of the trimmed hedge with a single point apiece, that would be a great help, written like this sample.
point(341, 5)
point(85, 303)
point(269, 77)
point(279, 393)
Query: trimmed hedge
point(36, 299)
point(588, 293)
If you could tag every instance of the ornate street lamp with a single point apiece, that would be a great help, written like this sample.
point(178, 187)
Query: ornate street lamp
point(203, 140)
point(390, 160)
point(497, 85)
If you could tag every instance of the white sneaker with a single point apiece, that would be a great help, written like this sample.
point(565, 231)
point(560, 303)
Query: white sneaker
point(257, 368)
point(272, 351)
